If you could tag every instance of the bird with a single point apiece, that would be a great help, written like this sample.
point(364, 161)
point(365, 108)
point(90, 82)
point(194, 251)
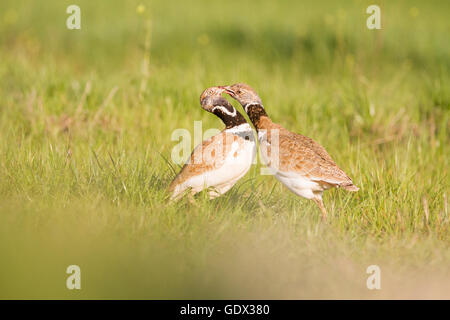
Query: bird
point(220, 161)
point(299, 162)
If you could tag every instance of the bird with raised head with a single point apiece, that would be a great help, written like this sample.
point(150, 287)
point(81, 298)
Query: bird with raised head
point(220, 161)
point(299, 162)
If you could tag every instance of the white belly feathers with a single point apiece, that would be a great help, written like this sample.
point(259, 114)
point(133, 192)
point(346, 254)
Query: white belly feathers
point(238, 159)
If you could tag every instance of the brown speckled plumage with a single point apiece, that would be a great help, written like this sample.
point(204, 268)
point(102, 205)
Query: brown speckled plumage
point(220, 161)
point(208, 156)
point(304, 155)
point(303, 165)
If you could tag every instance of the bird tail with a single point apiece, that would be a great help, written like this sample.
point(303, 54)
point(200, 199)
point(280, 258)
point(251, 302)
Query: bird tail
point(349, 187)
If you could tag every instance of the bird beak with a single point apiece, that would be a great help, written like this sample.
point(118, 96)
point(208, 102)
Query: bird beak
point(229, 91)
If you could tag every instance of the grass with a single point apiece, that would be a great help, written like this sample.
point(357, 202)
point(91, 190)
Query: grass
point(86, 118)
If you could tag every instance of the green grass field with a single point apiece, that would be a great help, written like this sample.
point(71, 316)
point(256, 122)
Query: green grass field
point(86, 118)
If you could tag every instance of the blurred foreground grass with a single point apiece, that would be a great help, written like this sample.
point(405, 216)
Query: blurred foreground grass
point(85, 128)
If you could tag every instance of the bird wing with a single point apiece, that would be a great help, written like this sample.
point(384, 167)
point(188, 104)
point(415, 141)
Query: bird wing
point(211, 155)
point(305, 156)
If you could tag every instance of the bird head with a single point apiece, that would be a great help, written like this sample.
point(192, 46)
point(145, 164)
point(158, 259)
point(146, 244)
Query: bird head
point(244, 94)
point(208, 97)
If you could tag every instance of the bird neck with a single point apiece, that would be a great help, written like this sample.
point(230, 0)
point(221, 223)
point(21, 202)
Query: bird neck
point(229, 116)
point(258, 116)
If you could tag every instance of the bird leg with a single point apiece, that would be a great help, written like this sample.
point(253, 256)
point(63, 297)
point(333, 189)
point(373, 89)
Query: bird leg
point(319, 202)
point(190, 196)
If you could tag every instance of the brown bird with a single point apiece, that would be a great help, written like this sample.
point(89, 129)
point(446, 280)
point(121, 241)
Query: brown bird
point(219, 162)
point(299, 162)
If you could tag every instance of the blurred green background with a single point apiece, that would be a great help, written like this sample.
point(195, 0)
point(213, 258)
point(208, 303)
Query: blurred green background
point(86, 118)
